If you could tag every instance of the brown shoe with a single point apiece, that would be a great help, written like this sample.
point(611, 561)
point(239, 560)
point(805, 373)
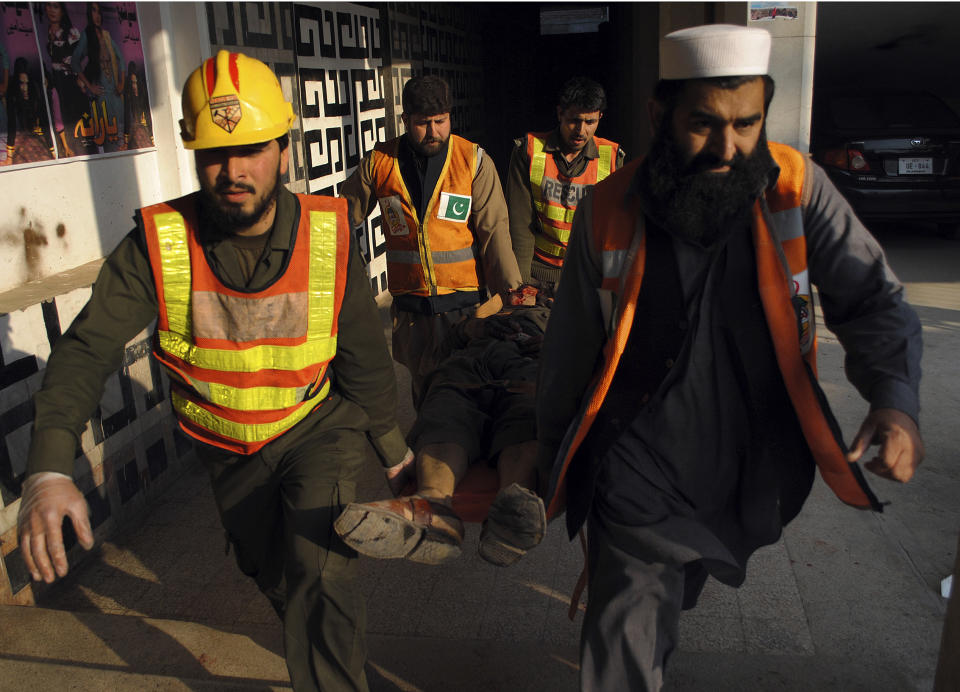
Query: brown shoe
point(412, 527)
point(516, 523)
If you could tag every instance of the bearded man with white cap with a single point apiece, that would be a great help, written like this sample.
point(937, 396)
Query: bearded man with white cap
point(678, 412)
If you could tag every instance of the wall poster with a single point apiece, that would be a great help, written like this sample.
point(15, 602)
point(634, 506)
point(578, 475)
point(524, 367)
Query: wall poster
point(771, 11)
point(72, 81)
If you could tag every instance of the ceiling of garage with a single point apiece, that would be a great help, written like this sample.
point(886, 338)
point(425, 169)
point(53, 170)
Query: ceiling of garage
point(894, 44)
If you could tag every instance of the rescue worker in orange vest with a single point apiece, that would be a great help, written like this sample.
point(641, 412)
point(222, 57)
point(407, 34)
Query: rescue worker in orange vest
point(550, 172)
point(277, 364)
point(445, 223)
point(677, 402)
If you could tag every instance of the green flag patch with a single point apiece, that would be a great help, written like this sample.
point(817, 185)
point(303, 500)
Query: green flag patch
point(454, 207)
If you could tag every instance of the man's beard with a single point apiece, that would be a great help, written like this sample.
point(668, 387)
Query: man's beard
point(228, 218)
point(693, 203)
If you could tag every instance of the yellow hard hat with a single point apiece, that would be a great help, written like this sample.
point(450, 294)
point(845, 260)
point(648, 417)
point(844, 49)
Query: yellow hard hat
point(232, 100)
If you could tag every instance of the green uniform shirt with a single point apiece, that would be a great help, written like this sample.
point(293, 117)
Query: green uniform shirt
point(124, 302)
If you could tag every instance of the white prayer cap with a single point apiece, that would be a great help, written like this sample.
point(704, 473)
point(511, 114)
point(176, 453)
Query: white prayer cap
point(714, 50)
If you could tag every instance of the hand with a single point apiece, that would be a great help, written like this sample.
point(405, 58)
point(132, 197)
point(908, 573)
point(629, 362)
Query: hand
point(400, 474)
point(901, 449)
point(525, 294)
point(47, 498)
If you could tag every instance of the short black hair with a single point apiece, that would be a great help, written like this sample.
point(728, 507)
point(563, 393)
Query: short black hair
point(667, 91)
point(283, 141)
point(583, 94)
point(427, 95)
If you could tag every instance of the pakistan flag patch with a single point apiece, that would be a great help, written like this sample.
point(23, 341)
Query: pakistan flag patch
point(454, 207)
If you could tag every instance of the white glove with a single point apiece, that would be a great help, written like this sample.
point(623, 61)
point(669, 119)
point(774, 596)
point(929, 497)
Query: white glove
point(47, 498)
point(400, 474)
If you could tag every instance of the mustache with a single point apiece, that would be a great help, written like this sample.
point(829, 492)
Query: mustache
point(228, 186)
point(705, 161)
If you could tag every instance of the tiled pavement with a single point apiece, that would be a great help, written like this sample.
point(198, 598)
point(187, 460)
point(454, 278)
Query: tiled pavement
point(174, 567)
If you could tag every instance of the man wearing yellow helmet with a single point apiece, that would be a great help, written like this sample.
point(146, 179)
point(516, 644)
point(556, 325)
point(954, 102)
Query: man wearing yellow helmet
point(445, 222)
point(277, 364)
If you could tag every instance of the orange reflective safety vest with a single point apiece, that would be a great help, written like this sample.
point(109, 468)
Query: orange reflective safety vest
point(784, 287)
point(246, 367)
point(435, 255)
point(555, 196)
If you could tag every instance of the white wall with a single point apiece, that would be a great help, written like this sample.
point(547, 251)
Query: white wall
point(791, 66)
point(61, 215)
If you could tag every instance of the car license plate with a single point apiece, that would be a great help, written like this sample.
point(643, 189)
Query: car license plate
point(916, 166)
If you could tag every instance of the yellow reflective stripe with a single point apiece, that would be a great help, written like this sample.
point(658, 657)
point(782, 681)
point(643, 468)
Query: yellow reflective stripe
point(244, 432)
point(175, 269)
point(555, 213)
point(262, 357)
point(251, 398)
point(548, 247)
point(320, 346)
point(603, 165)
point(538, 164)
point(559, 234)
point(323, 274)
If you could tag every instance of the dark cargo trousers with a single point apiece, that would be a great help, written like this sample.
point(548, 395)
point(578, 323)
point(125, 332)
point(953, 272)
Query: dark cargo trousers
point(278, 506)
point(633, 611)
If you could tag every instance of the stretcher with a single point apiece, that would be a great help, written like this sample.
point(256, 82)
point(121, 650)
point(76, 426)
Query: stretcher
point(473, 495)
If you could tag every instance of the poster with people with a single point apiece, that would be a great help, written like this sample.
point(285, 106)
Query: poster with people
point(88, 79)
point(24, 119)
